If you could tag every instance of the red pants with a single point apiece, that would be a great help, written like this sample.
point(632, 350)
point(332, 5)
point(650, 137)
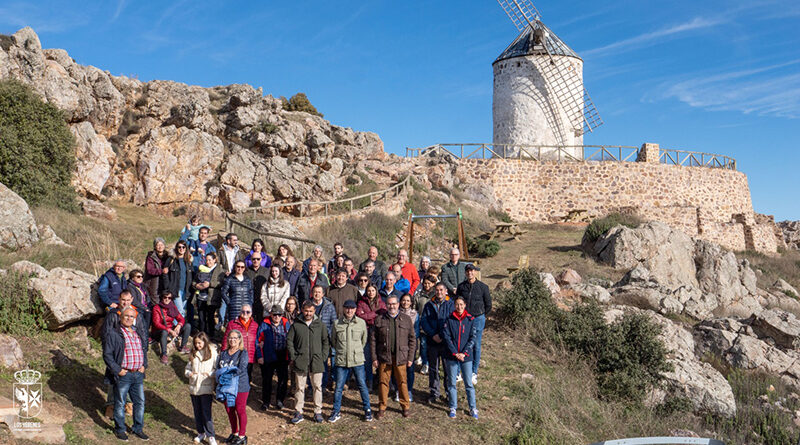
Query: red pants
point(237, 415)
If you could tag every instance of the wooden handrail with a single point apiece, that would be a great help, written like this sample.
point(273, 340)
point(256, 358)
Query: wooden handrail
point(351, 200)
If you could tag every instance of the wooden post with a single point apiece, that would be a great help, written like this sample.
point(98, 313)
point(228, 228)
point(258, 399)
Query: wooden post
point(370, 200)
point(351, 205)
point(326, 209)
point(410, 237)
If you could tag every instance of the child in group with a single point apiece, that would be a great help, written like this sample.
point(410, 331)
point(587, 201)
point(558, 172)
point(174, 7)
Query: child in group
point(200, 372)
point(192, 228)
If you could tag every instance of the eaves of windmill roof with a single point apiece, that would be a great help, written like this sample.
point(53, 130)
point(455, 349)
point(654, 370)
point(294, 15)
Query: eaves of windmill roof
point(524, 44)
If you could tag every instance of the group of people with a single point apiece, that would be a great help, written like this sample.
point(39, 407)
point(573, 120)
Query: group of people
point(322, 323)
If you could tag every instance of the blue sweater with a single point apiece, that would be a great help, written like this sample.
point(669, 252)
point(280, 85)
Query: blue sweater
point(239, 360)
point(434, 315)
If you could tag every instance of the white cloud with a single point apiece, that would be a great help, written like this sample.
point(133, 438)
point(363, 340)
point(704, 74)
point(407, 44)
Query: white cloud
point(651, 37)
point(767, 91)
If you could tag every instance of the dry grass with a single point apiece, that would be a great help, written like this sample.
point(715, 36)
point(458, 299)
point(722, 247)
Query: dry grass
point(95, 242)
point(785, 264)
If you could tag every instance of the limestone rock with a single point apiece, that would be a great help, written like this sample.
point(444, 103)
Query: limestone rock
point(780, 326)
point(175, 164)
point(10, 353)
point(593, 291)
point(28, 268)
point(550, 282)
point(791, 233)
point(68, 295)
point(95, 160)
point(17, 227)
point(281, 227)
point(668, 254)
point(697, 381)
point(568, 277)
point(97, 209)
point(47, 236)
point(786, 288)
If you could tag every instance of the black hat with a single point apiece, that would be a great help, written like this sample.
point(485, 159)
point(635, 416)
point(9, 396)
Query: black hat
point(349, 304)
point(471, 267)
point(276, 309)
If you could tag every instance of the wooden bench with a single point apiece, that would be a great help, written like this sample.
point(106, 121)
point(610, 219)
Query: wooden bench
point(510, 228)
point(522, 263)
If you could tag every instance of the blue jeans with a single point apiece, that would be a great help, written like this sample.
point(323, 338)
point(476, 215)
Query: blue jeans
point(131, 384)
point(368, 372)
point(452, 367)
point(480, 324)
point(180, 303)
point(223, 310)
point(342, 374)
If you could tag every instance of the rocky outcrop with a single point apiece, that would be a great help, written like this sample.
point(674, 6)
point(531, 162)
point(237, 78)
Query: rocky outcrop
point(96, 209)
point(10, 353)
point(764, 342)
point(697, 381)
point(791, 233)
point(17, 227)
point(164, 143)
point(68, 296)
point(671, 272)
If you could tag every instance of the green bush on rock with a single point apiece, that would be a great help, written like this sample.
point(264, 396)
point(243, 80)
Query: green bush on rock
point(37, 150)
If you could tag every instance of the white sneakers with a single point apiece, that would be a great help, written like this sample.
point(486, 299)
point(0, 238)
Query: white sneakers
point(474, 379)
point(458, 378)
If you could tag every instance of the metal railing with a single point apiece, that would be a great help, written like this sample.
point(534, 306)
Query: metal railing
point(306, 208)
point(576, 153)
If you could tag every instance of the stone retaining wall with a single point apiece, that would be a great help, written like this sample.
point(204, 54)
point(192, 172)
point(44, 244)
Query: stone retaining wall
point(701, 201)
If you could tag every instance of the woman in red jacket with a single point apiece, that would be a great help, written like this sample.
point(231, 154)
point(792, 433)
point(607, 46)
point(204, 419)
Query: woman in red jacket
point(249, 329)
point(369, 306)
point(168, 323)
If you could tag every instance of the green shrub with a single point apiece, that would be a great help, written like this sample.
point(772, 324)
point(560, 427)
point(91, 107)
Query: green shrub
point(482, 248)
point(357, 234)
point(501, 216)
point(600, 226)
point(37, 150)
point(179, 211)
point(627, 356)
point(266, 127)
point(21, 311)
point(300, 102)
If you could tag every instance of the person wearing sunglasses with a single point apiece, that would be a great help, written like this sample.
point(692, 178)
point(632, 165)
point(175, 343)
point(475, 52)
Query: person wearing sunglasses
point(236, 291)
point(249, 329)
point(178, 278)
point(169, 324)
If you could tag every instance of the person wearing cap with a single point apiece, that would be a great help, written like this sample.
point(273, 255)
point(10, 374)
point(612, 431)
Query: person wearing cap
point(479, 303)
point(348, 341)
point(273, 356)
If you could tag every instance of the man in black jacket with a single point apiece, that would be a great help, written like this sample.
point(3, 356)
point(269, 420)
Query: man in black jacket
point(308, 280)
point(479, 304)
point(125, 355)
point(259, 276)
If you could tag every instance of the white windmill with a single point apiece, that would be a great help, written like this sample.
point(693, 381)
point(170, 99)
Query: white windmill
point(539, 97)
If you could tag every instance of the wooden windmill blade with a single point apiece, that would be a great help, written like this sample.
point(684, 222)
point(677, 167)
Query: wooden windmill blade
point(521, 12)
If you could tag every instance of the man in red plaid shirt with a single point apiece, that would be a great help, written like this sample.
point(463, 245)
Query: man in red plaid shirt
point(125, 355)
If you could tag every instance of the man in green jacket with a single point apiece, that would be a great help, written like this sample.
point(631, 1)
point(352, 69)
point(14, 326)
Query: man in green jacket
point(309, 347)
point(348, 340)
point(453, 273)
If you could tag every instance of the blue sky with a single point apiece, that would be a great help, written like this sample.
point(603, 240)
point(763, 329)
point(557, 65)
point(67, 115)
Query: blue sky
point(714, 76)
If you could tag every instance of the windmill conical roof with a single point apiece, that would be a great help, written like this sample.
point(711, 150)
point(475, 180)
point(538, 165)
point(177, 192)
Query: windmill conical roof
point(525, 45)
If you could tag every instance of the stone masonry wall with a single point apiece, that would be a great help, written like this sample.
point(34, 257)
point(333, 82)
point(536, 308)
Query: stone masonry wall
point(701, 201)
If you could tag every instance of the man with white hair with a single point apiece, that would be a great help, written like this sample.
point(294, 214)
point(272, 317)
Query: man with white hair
point(408, 270)
point(388, 287)
point(111, 284)
point(372, 255)
point(454, 272)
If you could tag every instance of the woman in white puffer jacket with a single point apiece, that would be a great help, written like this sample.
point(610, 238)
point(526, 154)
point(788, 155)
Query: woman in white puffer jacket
point(200, 372)
point(276, 289)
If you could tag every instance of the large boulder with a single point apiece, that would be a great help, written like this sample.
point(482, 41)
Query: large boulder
point(17, 227)
point(782, 327)
point(10, 353)
point(98, 210)
point(95, 160)
point(68, 296)
point(668, 254)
